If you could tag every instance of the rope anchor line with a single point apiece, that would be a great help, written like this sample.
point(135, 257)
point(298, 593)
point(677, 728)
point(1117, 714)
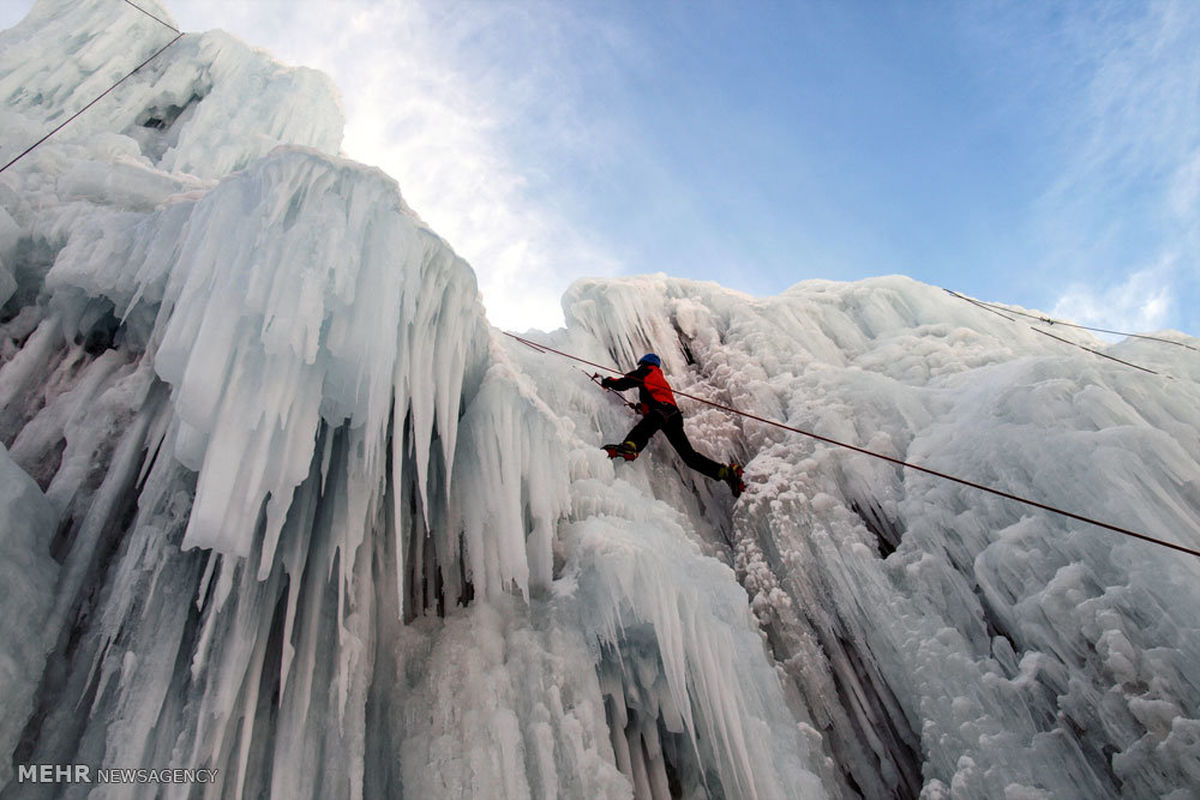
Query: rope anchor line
point(1049, 321)
point(151, 16)
point(993, 308)
point(543, 349)
point(100, 97)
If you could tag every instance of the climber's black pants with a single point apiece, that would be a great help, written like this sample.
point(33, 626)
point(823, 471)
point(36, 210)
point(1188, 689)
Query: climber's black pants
point(671, 424)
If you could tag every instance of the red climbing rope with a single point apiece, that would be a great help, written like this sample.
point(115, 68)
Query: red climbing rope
point(898, 462)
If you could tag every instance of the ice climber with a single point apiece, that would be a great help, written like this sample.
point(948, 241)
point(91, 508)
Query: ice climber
point(659, 412)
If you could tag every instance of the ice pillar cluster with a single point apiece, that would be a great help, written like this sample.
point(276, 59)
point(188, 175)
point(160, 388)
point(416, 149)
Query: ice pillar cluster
point(276, 501)
point(946, 642)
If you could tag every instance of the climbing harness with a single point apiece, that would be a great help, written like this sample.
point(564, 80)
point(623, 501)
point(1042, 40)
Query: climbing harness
point(541, 348)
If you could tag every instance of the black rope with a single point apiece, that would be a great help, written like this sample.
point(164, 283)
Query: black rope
point(898, 462)
point(76, 115)
point(992, 309)
point(151, 16)
point(1064, 323)
point(984, 306)
point(1097, 352)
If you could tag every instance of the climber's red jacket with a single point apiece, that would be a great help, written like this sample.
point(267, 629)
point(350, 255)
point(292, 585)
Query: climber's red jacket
point(653, 390)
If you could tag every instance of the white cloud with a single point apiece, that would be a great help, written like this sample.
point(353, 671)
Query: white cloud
point(429, 100)
point(1129, 189)
point(1144, 302)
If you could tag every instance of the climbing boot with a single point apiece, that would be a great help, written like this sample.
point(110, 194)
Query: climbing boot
point(732, 475)
point(626, 450)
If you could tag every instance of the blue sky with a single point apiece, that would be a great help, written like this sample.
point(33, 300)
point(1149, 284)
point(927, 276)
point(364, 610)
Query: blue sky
point(1044, 153)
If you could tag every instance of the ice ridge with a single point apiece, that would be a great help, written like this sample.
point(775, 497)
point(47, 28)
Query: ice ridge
point(276, 500)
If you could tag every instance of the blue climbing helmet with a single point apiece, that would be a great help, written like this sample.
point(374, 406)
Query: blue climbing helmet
point(650, 358)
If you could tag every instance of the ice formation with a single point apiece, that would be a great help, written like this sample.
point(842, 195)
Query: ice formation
point(276, 500)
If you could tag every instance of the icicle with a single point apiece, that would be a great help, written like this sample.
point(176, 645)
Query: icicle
point(233, 384)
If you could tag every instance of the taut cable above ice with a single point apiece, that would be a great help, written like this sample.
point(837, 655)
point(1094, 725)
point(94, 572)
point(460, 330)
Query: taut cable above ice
point(152, 16)
point(179, 35)
point(898, 462)
point(993, 308)
point(1064, 323)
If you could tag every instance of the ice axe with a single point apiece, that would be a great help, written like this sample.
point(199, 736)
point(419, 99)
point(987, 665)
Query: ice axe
point(596, 379)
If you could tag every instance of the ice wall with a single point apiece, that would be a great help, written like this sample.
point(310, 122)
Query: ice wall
point(27, 574)
point(284, 506)
point(276, 500)
point(207, 106)
point(946, 642)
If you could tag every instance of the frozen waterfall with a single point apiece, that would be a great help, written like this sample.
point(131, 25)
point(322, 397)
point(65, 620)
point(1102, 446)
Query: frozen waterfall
point(276, 502)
